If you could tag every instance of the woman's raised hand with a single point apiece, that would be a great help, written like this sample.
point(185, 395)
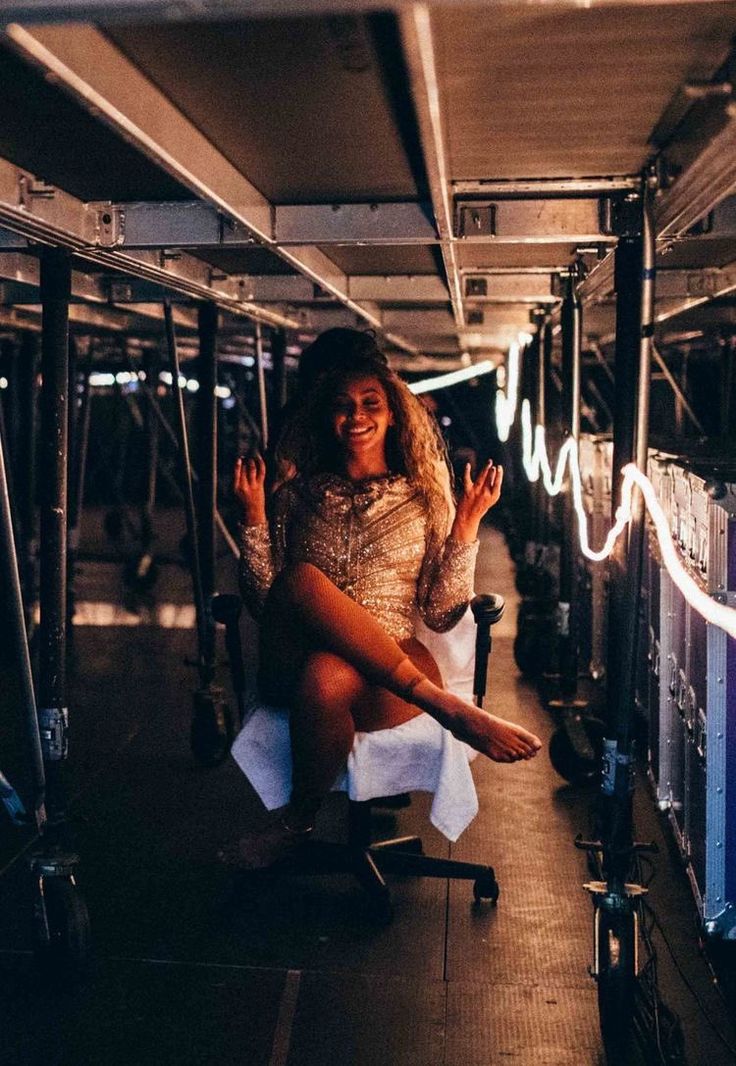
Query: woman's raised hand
point(249, 486)
point(479, 495)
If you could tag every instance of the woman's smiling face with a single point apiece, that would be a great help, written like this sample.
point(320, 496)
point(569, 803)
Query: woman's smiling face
point(361, 416)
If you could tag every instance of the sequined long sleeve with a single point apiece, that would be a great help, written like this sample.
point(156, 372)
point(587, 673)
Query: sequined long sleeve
point(446, 585)
point(262, 553)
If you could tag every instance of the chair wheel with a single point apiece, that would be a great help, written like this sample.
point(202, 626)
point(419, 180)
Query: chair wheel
point(486, 887)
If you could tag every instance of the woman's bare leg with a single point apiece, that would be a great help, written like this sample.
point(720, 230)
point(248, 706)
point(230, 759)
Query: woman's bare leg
point(330, 700)
point(305, 609)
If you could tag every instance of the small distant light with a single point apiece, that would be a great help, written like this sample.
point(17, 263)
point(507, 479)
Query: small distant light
point(3, 383)
point(192, 385)
point(228, 403)
point(223, 392)
point(101, 380)
point(446, 420)
point(124, 377)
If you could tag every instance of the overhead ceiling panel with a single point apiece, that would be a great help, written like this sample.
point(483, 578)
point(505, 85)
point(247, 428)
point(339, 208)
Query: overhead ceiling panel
point(44, 131)
point(306, 108)
point(542, 91)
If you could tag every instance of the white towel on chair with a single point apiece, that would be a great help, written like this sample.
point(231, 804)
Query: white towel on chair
point(417, 756)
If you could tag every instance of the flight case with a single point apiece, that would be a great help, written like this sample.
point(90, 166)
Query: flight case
point(693, 737)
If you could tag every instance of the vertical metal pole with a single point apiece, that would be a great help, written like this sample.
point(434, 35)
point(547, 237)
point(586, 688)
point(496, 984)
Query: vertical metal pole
point(185, 475)
point(261, 375)
point(25, 487)
point(72, 530)
point(571, 320)
point(150, 368)
point(635, 273)
point(53, 711)
point(10, 584)
point(545, 378)
point(278, 356)
point(206, 432)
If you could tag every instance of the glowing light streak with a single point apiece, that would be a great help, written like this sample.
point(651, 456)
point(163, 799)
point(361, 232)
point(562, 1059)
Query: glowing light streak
point(441, 381)
point(535, 460)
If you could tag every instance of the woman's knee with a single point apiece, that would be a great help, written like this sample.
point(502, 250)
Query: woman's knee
point(329, 681)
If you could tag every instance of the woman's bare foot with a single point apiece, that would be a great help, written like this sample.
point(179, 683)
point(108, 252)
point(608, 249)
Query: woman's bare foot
point(500, 740)
point(261, 849)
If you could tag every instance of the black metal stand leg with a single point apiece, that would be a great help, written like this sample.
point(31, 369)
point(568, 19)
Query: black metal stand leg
point(25, 465)
point(278, 359)
point(18, 639)
point(53, 711)
point(212, 723)
point(262, 394)
point(206, 434)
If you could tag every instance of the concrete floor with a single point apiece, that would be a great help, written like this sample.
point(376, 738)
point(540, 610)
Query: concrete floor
point(193, 967)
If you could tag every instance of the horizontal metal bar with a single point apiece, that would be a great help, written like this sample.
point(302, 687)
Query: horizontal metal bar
point(708, 283)
point(51, 216)
point(157, 225)
point(530, 221)
point(546, 188)
point(482, 288)
point(709, 179)
point(31, 11)
point(88, 66)
point(23, 271)
point(374, 223)
point(419, 321)
point(399, 288)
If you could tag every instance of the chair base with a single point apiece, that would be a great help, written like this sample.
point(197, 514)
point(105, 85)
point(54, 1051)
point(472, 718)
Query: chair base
point(402, 856)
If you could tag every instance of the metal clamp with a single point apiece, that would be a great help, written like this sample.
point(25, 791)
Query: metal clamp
point(53, 724)
point(612, 760)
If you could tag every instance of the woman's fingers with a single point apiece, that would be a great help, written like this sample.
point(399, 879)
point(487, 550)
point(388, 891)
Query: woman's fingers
point(467, 479)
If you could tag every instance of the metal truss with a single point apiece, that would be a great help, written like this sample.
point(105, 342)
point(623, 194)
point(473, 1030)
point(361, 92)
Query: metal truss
point(40, 213)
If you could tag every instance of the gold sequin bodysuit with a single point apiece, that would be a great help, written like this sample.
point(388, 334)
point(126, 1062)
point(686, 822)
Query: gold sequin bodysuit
point(370, 539)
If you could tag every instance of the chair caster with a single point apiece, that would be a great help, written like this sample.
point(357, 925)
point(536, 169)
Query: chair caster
point(213, 729)
point(486, 887)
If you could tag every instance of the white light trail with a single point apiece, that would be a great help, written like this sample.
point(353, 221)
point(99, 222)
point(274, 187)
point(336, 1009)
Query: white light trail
point(536, 463)
point(441, 381)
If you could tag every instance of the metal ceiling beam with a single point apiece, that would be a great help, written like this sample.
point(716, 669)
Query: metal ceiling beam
point(377, 288)
point(698, 190)
point(374, 223)
point(48, 215)
point(528, 221)
point(89, 67)
point(195, 224)
point(481, 287)
point(164, 10)
point(546, 188)
point(21, 275)
point(416, 36)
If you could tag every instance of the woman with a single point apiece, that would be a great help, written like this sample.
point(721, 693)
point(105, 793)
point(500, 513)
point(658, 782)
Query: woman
point(357, 544)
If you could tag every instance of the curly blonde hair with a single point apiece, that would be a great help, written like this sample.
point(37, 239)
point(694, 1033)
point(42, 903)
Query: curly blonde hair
point(414, 444)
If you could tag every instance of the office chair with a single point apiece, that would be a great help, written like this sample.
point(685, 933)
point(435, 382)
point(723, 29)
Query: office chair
point(366, 859)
